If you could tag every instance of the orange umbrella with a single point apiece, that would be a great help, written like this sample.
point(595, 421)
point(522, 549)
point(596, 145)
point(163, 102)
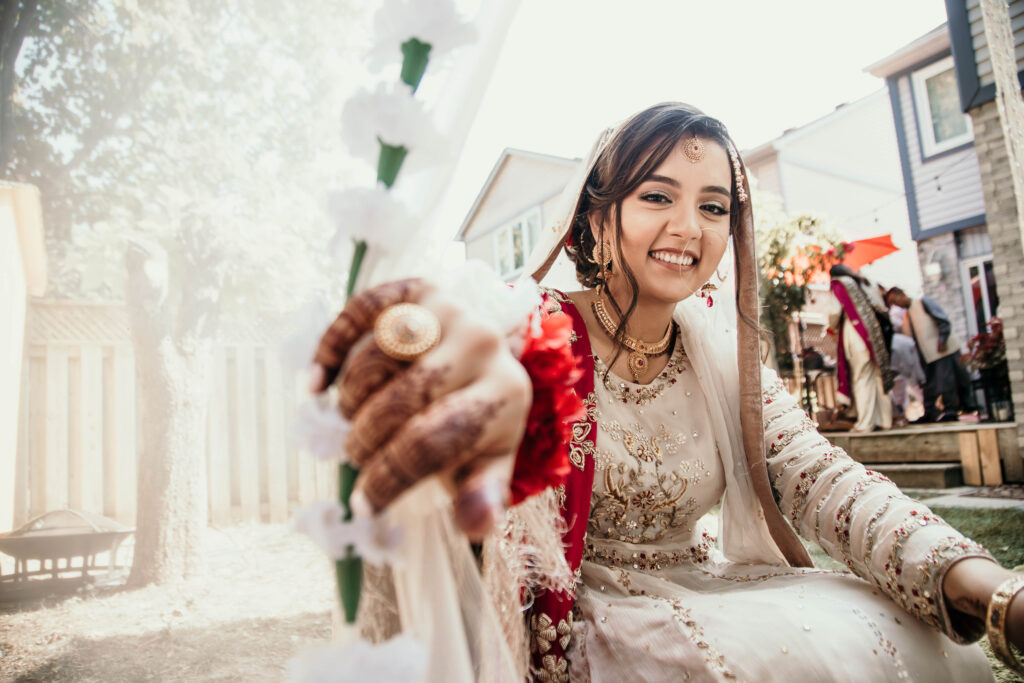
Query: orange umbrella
point(863, 252)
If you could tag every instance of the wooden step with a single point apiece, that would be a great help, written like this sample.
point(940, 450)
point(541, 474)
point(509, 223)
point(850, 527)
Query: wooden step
point(932, 475)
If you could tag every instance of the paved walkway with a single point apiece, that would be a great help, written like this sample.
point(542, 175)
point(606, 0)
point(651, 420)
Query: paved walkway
point(956, 497)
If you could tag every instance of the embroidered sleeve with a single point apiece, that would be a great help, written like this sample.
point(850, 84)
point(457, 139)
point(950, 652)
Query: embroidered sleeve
point(860, 517)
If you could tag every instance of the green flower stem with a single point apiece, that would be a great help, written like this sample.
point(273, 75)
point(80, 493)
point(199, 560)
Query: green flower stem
point(389, 162)
point(353, 271)
point(348, 570)
point(415, 54)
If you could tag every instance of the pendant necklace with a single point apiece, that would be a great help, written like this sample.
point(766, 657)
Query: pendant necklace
point(639, 350)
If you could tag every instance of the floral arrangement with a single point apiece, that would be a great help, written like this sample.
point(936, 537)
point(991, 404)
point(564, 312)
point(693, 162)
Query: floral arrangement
point(547, 357)
point(380, 125)
point(986, 350)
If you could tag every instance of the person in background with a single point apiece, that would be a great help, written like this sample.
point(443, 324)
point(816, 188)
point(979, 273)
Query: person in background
point(865, 336)
point(939, 347)
point(906, 363)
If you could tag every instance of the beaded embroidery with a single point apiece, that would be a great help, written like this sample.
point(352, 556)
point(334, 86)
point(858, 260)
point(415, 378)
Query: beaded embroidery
point(654, 560)
point(643, 394)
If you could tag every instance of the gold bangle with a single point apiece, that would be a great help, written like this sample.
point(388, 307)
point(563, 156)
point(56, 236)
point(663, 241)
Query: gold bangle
point(995, 622)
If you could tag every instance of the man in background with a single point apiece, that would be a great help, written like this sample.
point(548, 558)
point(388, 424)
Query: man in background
point(905, 361)
point(939, 347)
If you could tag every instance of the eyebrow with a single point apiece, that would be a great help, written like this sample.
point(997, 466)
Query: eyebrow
point(675, 183)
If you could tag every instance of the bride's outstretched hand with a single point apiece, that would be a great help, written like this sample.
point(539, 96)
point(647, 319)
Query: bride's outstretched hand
point(458, 410)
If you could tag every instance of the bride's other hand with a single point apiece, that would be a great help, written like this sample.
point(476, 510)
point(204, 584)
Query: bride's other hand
point(458, 410)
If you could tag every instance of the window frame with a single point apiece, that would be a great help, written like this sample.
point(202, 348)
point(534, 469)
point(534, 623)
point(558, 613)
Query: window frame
point(922, 104)
point(505, 232)
point(965, 281)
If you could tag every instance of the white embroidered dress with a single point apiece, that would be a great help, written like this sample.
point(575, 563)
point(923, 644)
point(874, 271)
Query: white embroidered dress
point(658, 601)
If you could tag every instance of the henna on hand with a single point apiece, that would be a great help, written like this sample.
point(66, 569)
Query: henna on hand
point(357, 319)
point(443, 439)
point(366, 370)
point(385, 413)
point(971, 605)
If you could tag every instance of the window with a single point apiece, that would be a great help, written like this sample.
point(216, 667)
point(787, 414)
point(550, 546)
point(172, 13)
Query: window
point(980, 290)
point(513, 242)
point(939, 118)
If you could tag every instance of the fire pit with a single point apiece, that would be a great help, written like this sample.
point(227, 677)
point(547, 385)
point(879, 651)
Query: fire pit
point(55, 536)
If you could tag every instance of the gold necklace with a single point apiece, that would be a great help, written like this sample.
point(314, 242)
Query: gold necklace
point(639, 350)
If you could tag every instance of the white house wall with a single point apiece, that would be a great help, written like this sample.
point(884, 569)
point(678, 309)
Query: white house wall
point(845, 168)
point(521, 182)
point(767, 177)
point(947, 187)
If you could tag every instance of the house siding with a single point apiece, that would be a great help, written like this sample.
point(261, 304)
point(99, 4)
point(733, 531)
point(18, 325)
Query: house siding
point(947, 187)
point(981, 53)
point(768, 177)
point(975, 242)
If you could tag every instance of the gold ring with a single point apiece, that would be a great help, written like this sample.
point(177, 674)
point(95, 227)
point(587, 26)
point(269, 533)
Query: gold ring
point(406, 331)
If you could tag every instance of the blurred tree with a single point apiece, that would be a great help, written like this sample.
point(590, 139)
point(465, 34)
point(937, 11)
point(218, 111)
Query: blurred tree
point(792, 252)
point(182, 148)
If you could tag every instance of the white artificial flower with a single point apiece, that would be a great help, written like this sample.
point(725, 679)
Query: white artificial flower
point(401, 659)
point(480, 291)
point(431, 21)
point(321, 430)
point(374, 215)
point(374, 538)
point(391, 113)
point(306, 326)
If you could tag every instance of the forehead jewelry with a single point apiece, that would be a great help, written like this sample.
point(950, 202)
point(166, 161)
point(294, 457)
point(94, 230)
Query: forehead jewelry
point(737, 172)
point(693, 149)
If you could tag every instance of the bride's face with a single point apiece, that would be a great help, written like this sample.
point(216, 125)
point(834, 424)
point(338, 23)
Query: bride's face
point(675, 225)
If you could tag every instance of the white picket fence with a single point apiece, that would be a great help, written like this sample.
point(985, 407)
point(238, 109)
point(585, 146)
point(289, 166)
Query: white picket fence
point(79, 428)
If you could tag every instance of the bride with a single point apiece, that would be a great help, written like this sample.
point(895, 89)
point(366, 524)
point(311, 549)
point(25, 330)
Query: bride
point(680, 417)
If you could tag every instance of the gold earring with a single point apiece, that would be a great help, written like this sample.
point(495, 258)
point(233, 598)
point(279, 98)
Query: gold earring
point(602, 255)
point(705, 293)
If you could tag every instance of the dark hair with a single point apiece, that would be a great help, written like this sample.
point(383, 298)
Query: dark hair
point(893, 291)
point(840, 269)
point(639, 147)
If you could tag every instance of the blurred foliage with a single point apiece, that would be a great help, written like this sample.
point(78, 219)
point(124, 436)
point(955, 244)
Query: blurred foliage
point(792, 252)
point(202, 132)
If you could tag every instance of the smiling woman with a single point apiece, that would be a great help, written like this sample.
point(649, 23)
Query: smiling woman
point(680, 418)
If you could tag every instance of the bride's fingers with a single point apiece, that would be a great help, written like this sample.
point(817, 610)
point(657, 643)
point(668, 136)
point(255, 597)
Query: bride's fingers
point(481, 494)
point(454, 364)
point(366, 370)
point(357, 319)
point(480, 421)
point(396, 403)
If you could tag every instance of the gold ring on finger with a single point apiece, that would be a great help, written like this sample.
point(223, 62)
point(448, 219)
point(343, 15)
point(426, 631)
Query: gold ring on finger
point(406, 331)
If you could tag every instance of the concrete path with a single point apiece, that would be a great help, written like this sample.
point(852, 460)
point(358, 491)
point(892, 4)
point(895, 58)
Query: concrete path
point(956, 497)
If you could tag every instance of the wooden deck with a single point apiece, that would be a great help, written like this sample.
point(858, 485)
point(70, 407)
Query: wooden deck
point(986, 452)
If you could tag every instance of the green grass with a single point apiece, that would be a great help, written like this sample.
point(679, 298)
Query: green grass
point(1000, 530)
